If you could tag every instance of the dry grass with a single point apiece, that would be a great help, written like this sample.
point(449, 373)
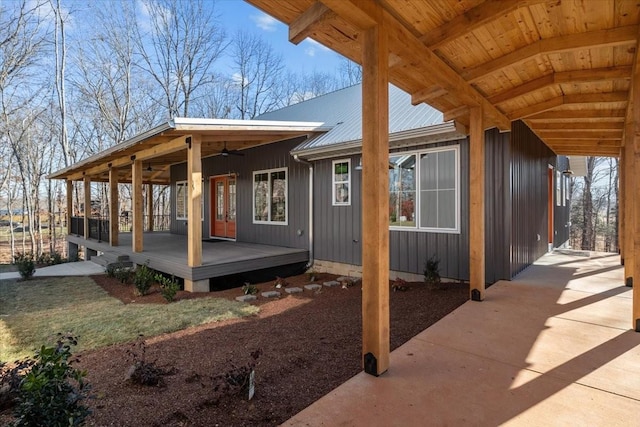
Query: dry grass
point(33, 312)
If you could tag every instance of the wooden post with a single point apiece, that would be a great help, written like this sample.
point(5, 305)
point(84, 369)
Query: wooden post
point(69, 204)
point(375, 201)
point(194, 213)
point(87, 205)
point(150, 206)
point(635, 99)
point(114, 212)
point(621, 203)
point(476, 204)
point(136, 188)
point(629, 206)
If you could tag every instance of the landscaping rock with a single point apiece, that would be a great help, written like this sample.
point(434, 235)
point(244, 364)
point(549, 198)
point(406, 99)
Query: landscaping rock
point(271, 294)
point(293, 290)
point(312, 287)
point(246, 298)
point(331, 283)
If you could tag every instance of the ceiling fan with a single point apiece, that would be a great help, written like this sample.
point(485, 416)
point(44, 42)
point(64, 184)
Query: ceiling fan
point(225, 152)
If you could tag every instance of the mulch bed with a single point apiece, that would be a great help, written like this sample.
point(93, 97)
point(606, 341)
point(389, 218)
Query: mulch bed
point(310, 342)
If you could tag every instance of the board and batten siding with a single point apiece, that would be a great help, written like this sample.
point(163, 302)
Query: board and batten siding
point(338, 228)
point(530, 161)
point(561, 222)
point(271, 156)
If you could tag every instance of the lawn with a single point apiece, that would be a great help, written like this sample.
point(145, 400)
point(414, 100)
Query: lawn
point(33, 312)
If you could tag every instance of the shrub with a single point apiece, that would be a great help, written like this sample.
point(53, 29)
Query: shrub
point(51, 258)
point(52, 392)
point(142, 279)
point(10, 378)
point(120, 272)
point(169, 287)
point(237, 379)
point(25, 263)
point(141, 371)
point(249, 289)
point(432, 271)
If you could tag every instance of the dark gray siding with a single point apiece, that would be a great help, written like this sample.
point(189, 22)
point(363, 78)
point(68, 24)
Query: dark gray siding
point(530, 160)
point(260, 158)
point(562, 212)
point(338, 229)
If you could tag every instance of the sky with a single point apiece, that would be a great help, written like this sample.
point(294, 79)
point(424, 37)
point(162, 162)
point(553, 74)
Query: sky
point(306, 57)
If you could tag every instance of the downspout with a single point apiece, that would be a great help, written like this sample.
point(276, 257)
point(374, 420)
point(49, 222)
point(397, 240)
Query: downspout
point(310, 231)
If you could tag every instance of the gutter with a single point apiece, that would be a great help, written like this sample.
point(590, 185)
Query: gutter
point(310, 231)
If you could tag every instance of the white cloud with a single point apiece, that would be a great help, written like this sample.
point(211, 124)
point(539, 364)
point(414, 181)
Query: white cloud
point(317, 45)
point(265, 22)
point(310, 51)
point(311, 47)
point(237, 79)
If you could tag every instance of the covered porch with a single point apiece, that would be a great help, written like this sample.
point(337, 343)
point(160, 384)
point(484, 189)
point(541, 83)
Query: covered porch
point(167, 253)
point(552, 347)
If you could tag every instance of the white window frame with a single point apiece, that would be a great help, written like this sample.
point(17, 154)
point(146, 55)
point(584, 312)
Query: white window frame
point(558, 188)
point(417, 226)
point(566, 190)
point(269, 197)
point(335, 202)
point(185, 183)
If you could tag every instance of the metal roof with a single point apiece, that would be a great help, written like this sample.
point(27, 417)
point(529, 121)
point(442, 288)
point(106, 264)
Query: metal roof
point(342, 110)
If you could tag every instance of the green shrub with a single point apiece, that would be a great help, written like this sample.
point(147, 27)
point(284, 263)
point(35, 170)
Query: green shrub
point(143, 279)
point(52, 392)
point(120, 272)
point(249, 289)
point(10, 379)
point(26, 264)
point(432, 271)
point(169, 287)
point(51, 258)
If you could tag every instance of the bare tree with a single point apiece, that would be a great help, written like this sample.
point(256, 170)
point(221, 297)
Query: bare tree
point(179, 50)
point(257, 73)
point(350, 73)
point(588, 241)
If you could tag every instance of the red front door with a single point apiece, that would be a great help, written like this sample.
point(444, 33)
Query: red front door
point(223, 195)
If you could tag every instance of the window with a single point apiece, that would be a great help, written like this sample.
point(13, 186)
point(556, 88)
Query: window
point(424, 190)
point(182, 200)
point(558, 188)
point(566, 190)
point(270, 196)
point(341, 182)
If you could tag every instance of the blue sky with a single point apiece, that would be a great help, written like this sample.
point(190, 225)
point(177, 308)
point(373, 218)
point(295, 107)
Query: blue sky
point(306, 57)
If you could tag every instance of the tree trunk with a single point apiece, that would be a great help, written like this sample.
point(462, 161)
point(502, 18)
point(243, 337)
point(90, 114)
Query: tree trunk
point(588, 240)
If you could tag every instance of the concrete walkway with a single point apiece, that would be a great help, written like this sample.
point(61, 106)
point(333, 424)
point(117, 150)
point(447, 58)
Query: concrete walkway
point(80, 268)
point(552, 348)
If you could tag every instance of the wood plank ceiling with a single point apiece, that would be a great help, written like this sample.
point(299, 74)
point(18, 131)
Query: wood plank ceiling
point(562, 66)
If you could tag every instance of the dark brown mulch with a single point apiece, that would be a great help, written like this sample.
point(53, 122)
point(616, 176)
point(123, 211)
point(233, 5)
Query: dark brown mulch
point(311, 343)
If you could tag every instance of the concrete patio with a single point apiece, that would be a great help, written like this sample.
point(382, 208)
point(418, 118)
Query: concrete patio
point(554, 347)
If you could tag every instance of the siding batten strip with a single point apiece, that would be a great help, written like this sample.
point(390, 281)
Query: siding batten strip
point(476, 205)
point(375, 201)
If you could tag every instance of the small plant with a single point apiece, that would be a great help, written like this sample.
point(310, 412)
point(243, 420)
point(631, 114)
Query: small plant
point(311, 275)
point(26, 264)
point(143, 278)
point(52, 390)
point(237, 379)
point(10, 379)
point(249, 289)
point(399, 285)
point(141, 371)
point(119, 272)
point(280, 283)
point(169, 287)
point(52, 258)
point(432, 271)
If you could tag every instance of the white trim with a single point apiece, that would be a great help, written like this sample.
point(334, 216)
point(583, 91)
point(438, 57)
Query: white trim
point(269, 196)
point(558, 188)
point(418, 195)
point(334, 202)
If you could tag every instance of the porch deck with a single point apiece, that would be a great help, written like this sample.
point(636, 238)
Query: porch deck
point(167, 252)
point(551, 348)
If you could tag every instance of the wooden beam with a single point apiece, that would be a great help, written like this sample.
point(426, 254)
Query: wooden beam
point(114, 210)
point(598, 135)
point(69, 204)
point(615, 114)
point(584, 142)
point(194, 202)
point(583, 98)
point(633, 138)
point(428, 94)
point(407, 46)
point(471, 20)
point(87, 206)
point(150, 207)
point(476, 205)
point(577, 124)
point(530, 110)
point(587, 40)
point(460, 111)
point(303, 26)
point(573, 77)
point(136, 190)
point(375, 201)
point(621, 204)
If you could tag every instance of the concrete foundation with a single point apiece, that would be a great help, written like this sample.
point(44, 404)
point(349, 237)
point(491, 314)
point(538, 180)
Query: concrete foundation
point(196, 285)
point(72, 251)
point(88, 253)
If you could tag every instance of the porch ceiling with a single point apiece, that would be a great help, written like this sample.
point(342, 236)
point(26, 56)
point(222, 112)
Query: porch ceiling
point(165, 145)
point(563, 66)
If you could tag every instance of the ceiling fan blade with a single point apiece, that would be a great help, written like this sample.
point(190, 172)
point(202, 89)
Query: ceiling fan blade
point(235, 153)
